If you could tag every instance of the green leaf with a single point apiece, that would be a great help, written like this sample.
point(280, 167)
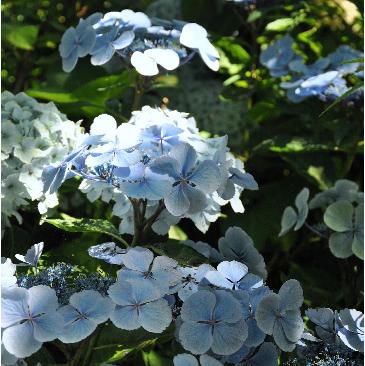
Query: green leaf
point(343, 96)
point(20, 36)
point(152, 358)
point(288, 220)
point(75, 225)
point(176, 233)
point(178, 251)
point(57, 97)
point(338, 216)
point(280, 25)
point(256, 14)
point(115, 344)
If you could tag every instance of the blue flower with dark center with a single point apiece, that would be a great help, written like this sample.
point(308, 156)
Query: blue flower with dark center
point(76, 42)
point(191, 181)
point(212, 320)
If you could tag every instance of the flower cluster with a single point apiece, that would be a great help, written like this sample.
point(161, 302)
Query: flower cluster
point(343, 217)
point(223, 314)
point(158, 169)
point(33, 135)
point(146, 43)
point(324, 79)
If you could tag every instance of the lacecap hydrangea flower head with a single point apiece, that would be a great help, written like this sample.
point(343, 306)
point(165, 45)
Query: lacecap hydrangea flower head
point(33, 135)
point(148, 44)
point(160, 160)
point(324, 79)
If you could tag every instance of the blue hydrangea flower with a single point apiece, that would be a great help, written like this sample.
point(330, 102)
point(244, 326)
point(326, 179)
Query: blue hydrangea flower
point(76, 42)
point(343, 189)
point(266, 355)
point(139, 304)
point(346, 326)
point(295, 218)
point(86, 310)
point(120, 147)
point(351, 331)
point(140, 264)
point(279, 315)
point(161, 138)
point(278, 55)
point(191, 181)
point(249, 302)
point(194, 36)
point(191, 277)
point(237, 245)
point(54, 175)
point(144, 183)
point(212, 320)
point(347, 222)
point(29, 318)
point(228, 275)
point(106, 44)
point(108, 252)
point(32, 256)
point(185, 359)
point(343, 54)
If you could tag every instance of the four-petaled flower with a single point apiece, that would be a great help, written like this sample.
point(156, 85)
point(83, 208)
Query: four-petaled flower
point(191, 181)
point(30, 318)
point(139, 304)
point(212, 320)
point(85, 311)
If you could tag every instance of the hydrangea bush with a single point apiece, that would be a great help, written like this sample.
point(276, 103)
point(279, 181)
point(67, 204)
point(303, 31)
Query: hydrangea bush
point(207, 304)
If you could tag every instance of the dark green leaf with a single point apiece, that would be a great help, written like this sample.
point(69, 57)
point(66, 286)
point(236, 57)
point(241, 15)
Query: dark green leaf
point(20, 36)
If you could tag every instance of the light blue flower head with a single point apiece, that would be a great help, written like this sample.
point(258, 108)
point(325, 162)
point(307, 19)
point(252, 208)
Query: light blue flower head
point(279, 315)
point(161, 272)
point(85, 311)
point(191, 180)
point(139, 304)
point(212, 320)
point(29, 318)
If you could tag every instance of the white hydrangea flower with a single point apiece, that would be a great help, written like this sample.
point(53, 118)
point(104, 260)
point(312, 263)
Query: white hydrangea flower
point(33, 136)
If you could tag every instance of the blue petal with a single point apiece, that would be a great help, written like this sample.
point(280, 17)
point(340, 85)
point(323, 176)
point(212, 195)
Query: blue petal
point(155, 316)
point(176, 201)
point(228, 308)
point(77, 331)
point(125, 317)
point(47, 326)
point(206, 176)
point(138, 259)
point(69, 62)
point(42, 299)
point(229, 338)
point(196, 337)
point(186, 156)
point(103, 55)
point(28, 344)
point(68, 42)
point(199, 306)
point(185, 359)
point(14, 304)
point(166, 165)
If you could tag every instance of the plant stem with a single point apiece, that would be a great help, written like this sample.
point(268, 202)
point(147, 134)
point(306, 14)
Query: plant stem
point(315, 231)
point(154, 216)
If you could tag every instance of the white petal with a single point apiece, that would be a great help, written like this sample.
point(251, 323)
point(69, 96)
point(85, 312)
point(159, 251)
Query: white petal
point(192, 34)
point(124, 40)
point(143, 64)
point(168, 59)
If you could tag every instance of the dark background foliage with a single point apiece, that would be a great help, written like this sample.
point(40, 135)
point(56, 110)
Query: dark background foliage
point(285, 146)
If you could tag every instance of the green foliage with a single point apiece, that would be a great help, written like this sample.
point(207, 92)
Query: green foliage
point(85, 225)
